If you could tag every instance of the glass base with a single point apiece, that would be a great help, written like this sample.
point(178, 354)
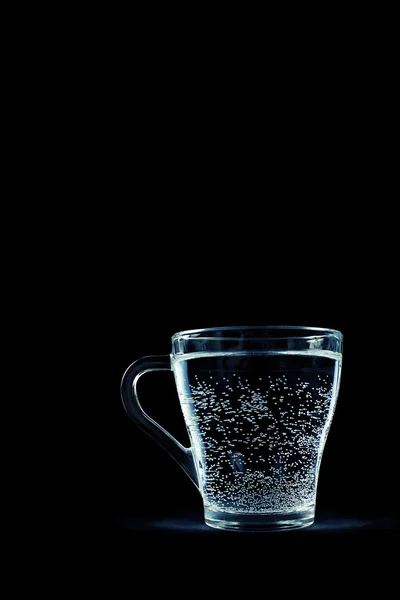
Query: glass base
point(274, 521)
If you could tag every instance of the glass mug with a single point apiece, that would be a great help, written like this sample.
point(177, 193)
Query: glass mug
point(258, 403)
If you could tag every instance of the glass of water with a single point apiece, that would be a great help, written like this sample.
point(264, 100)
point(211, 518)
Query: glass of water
point(257, 403)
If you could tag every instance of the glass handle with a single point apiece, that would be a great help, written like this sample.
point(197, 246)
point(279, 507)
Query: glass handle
point(130, 400)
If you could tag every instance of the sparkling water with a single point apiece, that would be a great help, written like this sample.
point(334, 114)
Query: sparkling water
point(258, 423)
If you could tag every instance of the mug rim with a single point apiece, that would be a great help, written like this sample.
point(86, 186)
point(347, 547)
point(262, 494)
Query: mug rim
point(196, 333)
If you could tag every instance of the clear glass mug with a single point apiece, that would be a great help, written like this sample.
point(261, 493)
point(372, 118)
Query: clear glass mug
point(258, 403)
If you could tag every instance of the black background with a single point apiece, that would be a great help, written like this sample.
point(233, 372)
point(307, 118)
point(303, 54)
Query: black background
point(212, 180)
point(278, 216)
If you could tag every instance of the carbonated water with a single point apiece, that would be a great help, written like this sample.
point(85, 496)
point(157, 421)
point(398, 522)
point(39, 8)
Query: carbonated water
point(258, 422)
